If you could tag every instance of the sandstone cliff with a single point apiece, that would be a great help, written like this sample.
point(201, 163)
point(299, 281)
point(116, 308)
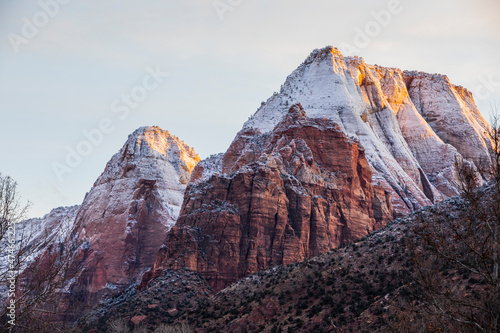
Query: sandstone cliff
point(286, 195)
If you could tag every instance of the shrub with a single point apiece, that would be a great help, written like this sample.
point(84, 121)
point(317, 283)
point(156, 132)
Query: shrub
point(119, 325)
point(182, 328)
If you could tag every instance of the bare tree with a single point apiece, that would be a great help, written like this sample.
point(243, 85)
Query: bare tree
point(12, 211)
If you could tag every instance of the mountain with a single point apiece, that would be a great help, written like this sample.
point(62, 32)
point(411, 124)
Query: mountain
point(123, 220)
point(412, 125)
point(342, 149)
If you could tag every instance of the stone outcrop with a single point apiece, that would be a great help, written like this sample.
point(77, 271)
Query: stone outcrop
point(295, 192)
point(432, 163)
point(452, 114)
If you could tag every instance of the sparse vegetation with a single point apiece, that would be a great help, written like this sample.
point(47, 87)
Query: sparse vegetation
point(118, 325)
point(182, 328)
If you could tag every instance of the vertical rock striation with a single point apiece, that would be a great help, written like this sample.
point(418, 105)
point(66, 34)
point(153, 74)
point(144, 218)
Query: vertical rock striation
point(295, 192)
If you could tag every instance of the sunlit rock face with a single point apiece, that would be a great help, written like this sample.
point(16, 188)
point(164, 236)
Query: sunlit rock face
point(295, 192)
point(452, 114)
point(366, 143)
point(436, 156)
point(123, 220)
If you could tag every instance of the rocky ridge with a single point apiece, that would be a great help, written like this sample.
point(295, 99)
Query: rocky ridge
point(36, 235)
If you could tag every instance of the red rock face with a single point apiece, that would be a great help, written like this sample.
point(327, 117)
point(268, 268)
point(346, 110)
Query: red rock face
point(296, 192)
point(127, 242)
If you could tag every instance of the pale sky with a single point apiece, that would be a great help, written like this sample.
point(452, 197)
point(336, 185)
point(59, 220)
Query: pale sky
point(223, 59)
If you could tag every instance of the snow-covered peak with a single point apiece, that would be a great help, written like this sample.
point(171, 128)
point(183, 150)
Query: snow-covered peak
point(151, 153)
point(154, 139)
point(321, 83)
point(392, 113)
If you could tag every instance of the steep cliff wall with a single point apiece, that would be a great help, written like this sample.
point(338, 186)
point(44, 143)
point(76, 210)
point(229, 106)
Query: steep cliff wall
point(289, 194)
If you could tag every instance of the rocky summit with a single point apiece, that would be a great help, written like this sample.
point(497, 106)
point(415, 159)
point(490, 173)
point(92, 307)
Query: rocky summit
point(118, 229)
point(412, 125)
